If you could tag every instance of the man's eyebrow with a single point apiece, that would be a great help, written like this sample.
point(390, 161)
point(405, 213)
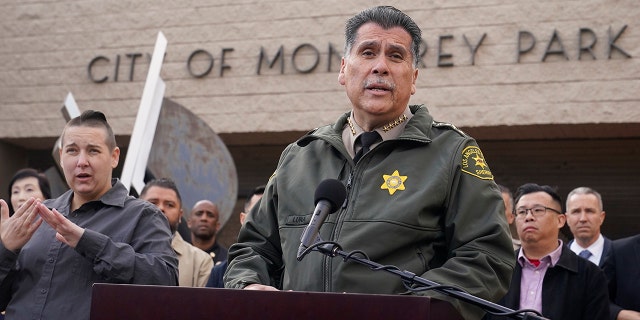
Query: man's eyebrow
point(368, 44)
point(392, 47)
point(93, 145)
point(399, 48)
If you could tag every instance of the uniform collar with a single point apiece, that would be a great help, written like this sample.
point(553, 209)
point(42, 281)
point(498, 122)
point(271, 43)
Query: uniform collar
point(392, 130)
point(417, 129)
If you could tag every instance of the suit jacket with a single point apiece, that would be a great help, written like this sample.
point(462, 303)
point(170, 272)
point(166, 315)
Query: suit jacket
point(606, 251)
point(623, 270)
point(574, 289)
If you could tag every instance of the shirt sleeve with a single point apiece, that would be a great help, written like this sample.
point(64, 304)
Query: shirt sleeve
point(7, 263)
point(147, 258)
point(257, 255)
point(481, 257)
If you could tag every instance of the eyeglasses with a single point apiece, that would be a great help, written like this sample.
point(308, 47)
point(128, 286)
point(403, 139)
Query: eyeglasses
point(537, 211)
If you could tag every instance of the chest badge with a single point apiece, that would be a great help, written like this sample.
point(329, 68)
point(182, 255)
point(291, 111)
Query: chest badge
point(393, 182)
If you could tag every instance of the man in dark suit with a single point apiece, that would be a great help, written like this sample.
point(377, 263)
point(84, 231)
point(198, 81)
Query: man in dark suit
point(585, 215)
point(623, 270)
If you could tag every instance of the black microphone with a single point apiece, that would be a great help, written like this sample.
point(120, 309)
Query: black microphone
point(329, 196)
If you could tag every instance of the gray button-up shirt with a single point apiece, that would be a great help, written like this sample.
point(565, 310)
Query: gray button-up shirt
point(126, 240)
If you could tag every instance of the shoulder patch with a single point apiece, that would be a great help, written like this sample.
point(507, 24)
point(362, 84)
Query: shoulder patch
point(473, 163)
point(448, 126)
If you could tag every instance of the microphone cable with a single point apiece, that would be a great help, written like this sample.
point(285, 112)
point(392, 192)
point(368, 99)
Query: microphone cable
point(332, 248)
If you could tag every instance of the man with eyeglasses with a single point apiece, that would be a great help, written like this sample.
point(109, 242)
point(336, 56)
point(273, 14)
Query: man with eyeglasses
point(548, 276)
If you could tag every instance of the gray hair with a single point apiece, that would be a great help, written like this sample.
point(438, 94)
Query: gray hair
point(585, 190)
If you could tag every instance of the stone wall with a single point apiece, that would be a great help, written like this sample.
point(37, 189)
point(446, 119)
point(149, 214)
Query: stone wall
point(47, 48)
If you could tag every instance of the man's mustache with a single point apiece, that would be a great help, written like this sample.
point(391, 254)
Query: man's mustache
point(379, 83)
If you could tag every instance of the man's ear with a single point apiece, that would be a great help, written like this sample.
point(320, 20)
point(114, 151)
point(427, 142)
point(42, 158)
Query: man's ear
point(562, 219)
point(413, 83)
point(115, 157)
point(341, 74)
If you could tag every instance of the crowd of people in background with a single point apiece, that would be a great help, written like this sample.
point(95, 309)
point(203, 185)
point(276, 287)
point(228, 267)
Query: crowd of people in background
point(538, 247)
point(53, 249)
point(570, 280)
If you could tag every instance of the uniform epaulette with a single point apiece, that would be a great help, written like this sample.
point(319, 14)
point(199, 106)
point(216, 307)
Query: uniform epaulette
point(445, 125)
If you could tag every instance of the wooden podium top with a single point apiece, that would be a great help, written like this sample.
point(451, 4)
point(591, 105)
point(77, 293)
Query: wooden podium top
point(111, 301)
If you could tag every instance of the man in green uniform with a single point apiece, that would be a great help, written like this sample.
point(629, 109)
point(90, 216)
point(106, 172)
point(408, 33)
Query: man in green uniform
point(422, 198)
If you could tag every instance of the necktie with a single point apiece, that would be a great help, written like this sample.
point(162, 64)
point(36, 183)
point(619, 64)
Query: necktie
point(585, 254)
point(366, 139)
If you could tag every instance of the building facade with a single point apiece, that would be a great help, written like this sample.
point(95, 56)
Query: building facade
point(550, 89)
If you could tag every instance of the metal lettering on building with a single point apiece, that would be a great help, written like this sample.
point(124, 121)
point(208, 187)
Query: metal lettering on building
point(308, 58)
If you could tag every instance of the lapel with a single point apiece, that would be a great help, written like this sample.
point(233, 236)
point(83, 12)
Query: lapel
point(606, 251)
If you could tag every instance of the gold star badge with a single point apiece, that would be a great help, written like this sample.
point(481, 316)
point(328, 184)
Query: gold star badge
point(393, 182)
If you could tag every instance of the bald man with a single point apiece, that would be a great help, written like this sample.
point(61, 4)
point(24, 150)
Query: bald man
point(204, 223)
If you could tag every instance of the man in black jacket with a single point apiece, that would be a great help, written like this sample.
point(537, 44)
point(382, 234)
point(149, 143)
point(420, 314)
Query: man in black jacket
point(549, 277)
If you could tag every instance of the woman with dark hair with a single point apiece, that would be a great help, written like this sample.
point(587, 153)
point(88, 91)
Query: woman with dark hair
point(24, 184)
point(27, 183)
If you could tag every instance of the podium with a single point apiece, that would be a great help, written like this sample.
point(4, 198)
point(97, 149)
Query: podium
point(140, 302)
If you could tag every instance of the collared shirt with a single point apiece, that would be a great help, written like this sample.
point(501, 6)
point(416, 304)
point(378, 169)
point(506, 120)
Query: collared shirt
point(532, 277)
point(352, 131)
point(595, 249)
point(126, 240)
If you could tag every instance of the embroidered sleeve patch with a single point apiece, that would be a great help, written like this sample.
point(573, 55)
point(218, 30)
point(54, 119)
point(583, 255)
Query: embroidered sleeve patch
point(474, 164)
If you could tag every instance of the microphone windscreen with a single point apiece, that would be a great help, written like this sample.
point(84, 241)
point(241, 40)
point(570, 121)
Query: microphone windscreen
point(333, 191)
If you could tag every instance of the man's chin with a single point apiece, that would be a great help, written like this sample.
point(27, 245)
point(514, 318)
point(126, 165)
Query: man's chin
point(204, 236)
point(376, 106)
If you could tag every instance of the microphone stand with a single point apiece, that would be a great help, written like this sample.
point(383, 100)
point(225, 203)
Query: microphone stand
point(333, 250)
